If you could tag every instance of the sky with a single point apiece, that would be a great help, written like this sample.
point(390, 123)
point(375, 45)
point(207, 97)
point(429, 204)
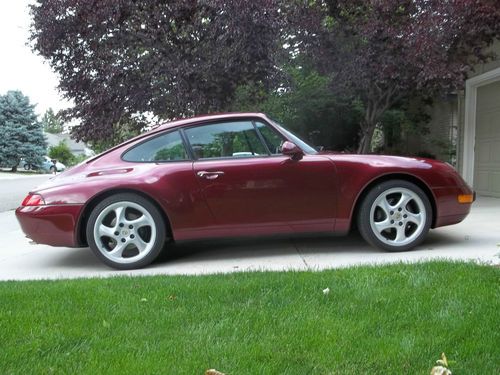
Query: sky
point(20, 68)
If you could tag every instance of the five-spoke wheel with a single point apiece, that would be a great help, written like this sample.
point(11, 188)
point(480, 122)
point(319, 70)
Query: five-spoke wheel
point(395, 215)
point(126, 231)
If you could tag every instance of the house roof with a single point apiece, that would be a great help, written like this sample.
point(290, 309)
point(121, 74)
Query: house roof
point(74, 146)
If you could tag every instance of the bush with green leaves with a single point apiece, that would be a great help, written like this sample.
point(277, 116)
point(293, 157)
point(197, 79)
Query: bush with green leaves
point(77, 159)
point(61, 152)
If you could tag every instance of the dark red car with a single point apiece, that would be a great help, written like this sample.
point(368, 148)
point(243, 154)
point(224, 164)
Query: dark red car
point(237, 175)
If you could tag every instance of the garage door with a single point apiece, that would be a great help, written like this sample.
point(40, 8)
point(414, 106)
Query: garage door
point(487, 149)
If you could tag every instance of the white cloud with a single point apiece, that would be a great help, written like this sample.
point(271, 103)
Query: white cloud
point(20, 68)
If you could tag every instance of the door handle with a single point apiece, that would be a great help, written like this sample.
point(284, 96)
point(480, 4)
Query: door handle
point(210, 175)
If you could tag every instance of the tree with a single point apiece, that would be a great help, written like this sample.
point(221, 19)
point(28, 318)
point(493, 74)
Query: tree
point(120, 60)
point(382, 51)
point(121, 131)
point(62, 153)
point(305, 103)
point(21, 134)
point(52, 123)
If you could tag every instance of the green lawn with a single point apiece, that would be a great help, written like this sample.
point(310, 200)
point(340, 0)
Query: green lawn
point(393, 319)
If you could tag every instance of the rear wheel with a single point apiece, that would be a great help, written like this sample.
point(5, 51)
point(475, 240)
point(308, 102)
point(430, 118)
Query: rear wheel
point(126, 231)
point(27, 166)
point(395, 216)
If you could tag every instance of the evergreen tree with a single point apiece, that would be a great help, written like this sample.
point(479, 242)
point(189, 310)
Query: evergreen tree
point(52, 123)
point(21, 133)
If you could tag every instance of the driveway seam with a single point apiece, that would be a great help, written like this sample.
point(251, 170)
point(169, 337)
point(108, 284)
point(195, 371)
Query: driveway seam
point(300, 255)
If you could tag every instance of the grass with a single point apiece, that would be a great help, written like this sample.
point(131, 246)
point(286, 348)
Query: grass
point(394, 319)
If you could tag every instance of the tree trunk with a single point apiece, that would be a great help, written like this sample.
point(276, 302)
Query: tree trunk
point(377, 102)
point(14, 169)
point(366, 138)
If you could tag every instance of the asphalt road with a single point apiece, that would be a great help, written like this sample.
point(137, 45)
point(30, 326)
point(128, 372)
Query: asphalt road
point(14, 187)
point(477, 238)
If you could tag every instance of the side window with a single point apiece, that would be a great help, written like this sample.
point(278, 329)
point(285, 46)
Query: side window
point(272, 138)
point(228, 139)
point(166, 147)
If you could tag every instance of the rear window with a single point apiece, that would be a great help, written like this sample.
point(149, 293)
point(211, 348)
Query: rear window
point(166, 147)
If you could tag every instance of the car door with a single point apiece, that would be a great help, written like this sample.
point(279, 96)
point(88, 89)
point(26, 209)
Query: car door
point(251, 188)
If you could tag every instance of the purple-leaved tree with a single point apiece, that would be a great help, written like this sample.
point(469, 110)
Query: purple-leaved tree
point(382, 51)
point(119, 59)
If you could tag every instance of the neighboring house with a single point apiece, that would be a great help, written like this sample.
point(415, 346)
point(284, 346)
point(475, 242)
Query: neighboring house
point(77, 148)
point(469, 123)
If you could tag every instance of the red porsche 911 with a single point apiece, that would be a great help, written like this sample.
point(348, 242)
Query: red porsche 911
point(238, 174)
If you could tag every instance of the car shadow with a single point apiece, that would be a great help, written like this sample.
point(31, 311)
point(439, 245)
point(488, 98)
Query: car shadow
point(233, 249)
point(438, 238)
point(238, 248)
point(79, 258)
point(251, 247)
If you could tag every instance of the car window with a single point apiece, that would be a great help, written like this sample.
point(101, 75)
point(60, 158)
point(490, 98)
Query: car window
point(273, 139)
point(166, 147)
point(299, 142)
point(228, 139)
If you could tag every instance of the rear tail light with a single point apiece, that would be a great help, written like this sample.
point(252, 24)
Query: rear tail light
point(33, 200)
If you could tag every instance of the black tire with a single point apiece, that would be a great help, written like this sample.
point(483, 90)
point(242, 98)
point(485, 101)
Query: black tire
point(127, 199)
point(404, 233)
point(27, 166)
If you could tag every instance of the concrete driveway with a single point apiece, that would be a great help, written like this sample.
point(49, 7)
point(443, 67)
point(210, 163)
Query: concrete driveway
point(15, 186)
point(477, 238)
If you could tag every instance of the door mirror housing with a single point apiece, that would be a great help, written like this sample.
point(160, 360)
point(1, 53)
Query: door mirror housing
point(292, 150)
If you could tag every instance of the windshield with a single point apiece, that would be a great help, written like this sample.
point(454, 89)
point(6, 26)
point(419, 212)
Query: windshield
point(299, 142)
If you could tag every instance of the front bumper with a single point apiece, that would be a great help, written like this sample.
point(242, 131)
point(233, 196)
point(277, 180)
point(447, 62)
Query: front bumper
point(449, 210)
point(51, 225)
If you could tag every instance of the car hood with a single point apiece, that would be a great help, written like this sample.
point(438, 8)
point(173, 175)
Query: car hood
point(384, 160)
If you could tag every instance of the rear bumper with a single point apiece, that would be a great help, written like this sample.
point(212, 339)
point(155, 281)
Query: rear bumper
point(50, 225)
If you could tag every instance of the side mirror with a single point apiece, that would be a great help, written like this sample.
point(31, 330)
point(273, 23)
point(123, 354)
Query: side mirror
point(292, 150)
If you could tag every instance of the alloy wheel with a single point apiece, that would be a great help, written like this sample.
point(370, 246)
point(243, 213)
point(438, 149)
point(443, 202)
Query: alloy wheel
point(124, 232)
point(398, 216)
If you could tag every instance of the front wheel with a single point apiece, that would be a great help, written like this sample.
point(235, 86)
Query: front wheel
point(395, 215)
point(126, 231)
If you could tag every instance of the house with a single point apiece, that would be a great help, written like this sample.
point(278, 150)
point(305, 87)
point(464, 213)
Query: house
point(77, 148)
point(465, 128)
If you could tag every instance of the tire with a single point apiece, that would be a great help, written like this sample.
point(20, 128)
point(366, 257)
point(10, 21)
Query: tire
point(395, 215)
point(132, 242)
point(27, 167)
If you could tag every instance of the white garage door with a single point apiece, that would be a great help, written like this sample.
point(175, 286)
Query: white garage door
point(487, 149)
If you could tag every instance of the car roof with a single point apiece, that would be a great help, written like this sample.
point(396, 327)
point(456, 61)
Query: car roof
point(207, 117)
point(178, 123)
